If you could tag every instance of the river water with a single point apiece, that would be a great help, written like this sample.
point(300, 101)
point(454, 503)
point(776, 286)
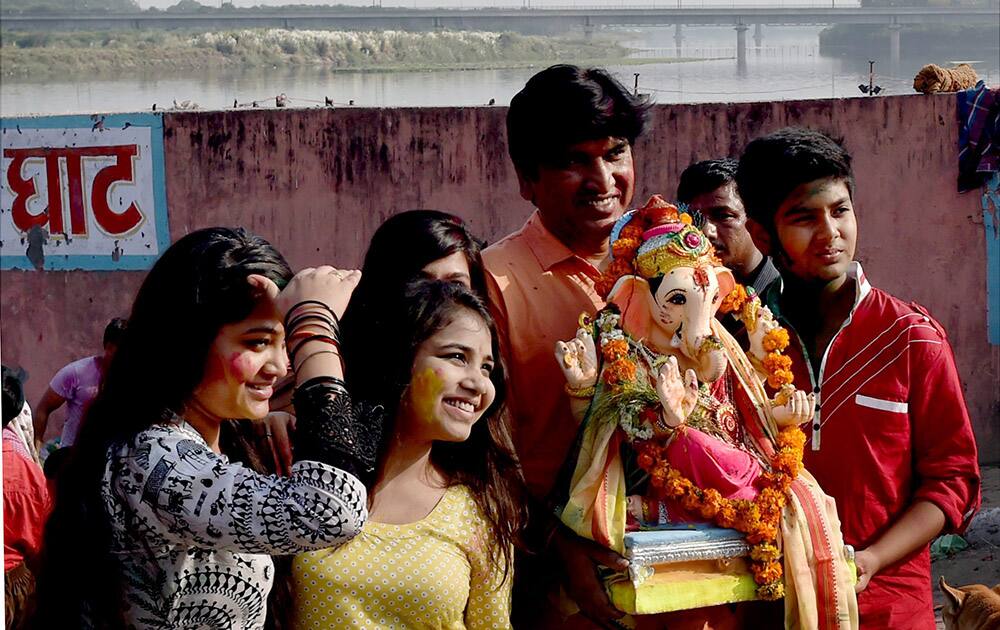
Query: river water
point(788, 65)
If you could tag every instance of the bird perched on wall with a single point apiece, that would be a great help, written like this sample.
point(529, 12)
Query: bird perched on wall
point(329, 101)
point(280, 100)
point(933, 78)
point(493, 101)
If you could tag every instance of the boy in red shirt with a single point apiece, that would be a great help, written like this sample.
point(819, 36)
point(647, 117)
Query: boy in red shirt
point(891, 440)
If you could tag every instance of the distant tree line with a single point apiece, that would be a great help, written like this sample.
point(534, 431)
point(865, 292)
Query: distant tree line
point(89, 7)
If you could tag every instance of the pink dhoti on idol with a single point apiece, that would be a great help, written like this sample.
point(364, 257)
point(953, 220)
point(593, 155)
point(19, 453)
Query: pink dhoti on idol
point(680, 434)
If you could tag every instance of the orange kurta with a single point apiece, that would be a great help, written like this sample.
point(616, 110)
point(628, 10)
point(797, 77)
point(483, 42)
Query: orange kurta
point(539, 288)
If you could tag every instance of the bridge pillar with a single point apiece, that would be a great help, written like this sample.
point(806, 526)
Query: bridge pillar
point(758, 35)
point(894, 38)
point(588, 29)
point(678, 38)
point(741, 48)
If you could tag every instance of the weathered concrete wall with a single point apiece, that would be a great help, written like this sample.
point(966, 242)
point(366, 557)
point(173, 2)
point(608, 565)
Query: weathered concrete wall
point(318, 182)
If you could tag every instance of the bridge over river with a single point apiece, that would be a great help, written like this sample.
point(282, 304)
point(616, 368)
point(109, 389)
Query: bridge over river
point(527, 19)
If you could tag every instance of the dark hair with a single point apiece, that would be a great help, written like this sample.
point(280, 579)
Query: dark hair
point(564, 105)
point(13, 394)
point(198, 285)
point(400, 248)
point(55, 463)
point(485, 462)
point(704, 177)
point(114, 331)
point(772, 166)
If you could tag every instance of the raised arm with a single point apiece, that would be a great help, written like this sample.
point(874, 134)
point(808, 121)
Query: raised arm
point(190, 495)
point(169, 482)
point(329, 427)
point(49, 402)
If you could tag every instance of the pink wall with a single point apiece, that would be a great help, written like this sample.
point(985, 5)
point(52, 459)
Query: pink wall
point(317, 182)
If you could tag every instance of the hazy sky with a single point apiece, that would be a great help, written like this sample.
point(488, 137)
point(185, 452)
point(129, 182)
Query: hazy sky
point(517, 3)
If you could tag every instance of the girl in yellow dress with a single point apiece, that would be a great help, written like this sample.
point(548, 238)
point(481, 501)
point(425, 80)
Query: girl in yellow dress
point(444, 504)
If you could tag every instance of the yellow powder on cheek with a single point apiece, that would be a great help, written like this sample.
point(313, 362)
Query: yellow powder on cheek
point(425, 389)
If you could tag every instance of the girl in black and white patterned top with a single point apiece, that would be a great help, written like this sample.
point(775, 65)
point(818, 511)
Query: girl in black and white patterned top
point(154, 525)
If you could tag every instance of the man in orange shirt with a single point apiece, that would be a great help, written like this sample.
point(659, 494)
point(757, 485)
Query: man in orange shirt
point(570, 134)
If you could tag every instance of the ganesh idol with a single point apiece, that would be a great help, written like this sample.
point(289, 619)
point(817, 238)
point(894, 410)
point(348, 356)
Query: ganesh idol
point(683, 431)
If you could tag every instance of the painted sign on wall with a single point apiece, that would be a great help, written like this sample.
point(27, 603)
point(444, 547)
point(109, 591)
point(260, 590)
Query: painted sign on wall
point(82, 192)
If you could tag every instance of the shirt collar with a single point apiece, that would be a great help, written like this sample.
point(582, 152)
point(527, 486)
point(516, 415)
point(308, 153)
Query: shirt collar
point(861, 286)
point(548, 250)
point(861, 289)
point(764, 275)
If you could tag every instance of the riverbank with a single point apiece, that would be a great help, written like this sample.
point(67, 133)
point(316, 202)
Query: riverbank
point(54, 55)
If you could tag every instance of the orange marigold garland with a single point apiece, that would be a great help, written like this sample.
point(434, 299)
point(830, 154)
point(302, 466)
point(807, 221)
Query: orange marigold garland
point(619, 372)
point(746, 304)
point(759, 519)
point(776, 340)
point(735, 301)
point(619, 267)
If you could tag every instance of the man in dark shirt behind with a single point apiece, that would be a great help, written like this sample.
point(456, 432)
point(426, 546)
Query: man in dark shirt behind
point(710, 188)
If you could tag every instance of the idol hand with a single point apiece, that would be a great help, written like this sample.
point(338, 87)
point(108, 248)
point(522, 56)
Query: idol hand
point(678, 397)
point(797, 410)
point(578, 359)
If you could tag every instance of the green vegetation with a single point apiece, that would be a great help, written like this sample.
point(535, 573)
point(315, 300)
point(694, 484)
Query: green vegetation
point(74, 53)
point(70, 6)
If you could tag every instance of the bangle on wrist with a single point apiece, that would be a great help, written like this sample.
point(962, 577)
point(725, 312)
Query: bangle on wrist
point(307, 334)
point(295, 322)
point(314, 337)
point(580, 392)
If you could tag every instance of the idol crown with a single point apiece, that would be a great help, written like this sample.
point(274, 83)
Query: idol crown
point(655, 239)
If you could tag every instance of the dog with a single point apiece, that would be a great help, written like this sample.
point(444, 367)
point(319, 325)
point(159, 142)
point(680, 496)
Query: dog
point(933, 78)
point(972, 607)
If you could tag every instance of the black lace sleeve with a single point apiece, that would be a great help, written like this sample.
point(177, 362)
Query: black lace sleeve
point(333, 429)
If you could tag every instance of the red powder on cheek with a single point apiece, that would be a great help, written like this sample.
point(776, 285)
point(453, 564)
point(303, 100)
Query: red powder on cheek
point(242, 366)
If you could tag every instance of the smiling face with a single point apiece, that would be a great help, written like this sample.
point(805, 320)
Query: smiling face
point(245, 361)
point(817, 229)
point(450, 386)
point(452, 268)
point(585, 191)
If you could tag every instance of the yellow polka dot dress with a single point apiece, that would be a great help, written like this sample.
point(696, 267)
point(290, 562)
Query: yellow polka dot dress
point(434, 573)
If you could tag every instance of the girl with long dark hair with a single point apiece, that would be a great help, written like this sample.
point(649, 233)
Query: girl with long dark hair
point(409, 245)
point(155, 525)
point(445, 502)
